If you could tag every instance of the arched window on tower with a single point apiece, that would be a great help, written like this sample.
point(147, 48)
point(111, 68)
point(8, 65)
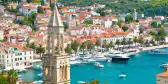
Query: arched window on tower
point(60, 72)
point(66, 72)
point(63, 73)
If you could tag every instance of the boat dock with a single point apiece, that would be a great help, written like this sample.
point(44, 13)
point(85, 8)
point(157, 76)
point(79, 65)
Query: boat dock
point(154, 47)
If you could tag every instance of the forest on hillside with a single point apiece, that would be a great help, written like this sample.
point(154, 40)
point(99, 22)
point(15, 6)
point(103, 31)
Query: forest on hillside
point(149, 8)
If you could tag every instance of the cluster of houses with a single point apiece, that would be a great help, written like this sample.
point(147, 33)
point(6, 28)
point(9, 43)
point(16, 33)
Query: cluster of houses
point(14, 53)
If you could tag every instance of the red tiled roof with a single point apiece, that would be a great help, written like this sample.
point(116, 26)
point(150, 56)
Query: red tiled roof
point(63, 9)
point(84, 12)
point(48, 7)
point(70, 13)
point(148, 27)
point(29, 7)
point(82, 17)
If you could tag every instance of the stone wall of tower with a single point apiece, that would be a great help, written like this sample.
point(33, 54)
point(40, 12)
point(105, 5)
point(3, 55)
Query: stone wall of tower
point(56, 62)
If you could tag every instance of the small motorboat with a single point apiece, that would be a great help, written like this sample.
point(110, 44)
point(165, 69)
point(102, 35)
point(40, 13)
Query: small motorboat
point(41, 74)
point(97, 64)
point(81, 82)
point(122, 75)
point(108, 60)
point(164, 64)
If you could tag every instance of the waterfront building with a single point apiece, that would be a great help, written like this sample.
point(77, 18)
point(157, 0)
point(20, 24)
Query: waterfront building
point(56, 66)
point(15, 56)
point(162, 78)
point(159, 18)
point(1, 34)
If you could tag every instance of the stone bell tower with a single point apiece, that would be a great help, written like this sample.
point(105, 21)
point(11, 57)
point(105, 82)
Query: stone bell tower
point(56, 66)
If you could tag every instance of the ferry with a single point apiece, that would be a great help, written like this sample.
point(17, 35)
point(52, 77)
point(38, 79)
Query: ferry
point(158, 51)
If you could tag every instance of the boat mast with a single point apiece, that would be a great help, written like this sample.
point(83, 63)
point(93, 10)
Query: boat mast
point(101, 40)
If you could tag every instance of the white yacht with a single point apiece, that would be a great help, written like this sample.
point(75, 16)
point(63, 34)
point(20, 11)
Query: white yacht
point(75, 62)
point(97, 64)
point(98, 56)
point(118, 56)
point(74, 59)
point(113, 53)
point(158, 51)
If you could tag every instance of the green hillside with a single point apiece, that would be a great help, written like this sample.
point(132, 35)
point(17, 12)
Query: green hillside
point(150, 8)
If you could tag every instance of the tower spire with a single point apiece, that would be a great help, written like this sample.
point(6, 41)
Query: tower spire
point(55, 19)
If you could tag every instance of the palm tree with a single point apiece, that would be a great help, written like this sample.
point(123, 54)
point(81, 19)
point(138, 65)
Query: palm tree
point(33, 46)
point(40, 50)
point(111, 45)
point(68, 49)
point(135, 40)
point(12, 76)
point(75, 46)
point(129, 42)
point(83, 46)
point(123, 41)
point(146, 43)
point(90, 46)
point(98, 43)
point(106, 45)
point(118, 42)
point(157, 39)
point(152, 41)
point(141, 40)
point(3, 80)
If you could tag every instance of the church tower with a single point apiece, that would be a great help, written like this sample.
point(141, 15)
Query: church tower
point(56, 66)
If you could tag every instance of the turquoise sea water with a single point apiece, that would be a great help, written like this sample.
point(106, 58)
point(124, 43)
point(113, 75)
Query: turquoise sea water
point(141, 69)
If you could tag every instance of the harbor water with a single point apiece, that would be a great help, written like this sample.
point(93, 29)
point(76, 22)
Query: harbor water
point(140, 69)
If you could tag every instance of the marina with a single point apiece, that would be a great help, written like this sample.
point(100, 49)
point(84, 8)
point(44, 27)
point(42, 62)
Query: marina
point(134, 71)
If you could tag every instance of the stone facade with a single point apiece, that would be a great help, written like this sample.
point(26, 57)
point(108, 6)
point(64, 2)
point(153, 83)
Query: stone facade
point(56, 66)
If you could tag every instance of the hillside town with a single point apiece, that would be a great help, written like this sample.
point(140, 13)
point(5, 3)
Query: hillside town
point(24, 31)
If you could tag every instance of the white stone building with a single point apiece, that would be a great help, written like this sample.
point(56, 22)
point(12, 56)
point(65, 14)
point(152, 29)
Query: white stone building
point(1, 34)
point(28, 9)
point(15, 56)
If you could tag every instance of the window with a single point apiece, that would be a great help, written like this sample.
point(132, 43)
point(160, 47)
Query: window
point(7, 61)
point(30, 57)
point(20, 58)
point(25, 58)
point(25, 53)
point(7, 56)
point(15, 59)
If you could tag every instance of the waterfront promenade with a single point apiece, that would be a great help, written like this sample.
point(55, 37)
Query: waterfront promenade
point(154, 47)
